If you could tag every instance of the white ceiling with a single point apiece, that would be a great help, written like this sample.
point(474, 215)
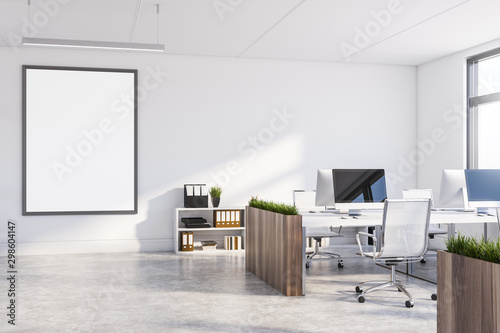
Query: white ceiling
point(408, 32)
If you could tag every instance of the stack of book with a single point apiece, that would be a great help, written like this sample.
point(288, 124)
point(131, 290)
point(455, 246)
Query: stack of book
point(195, 222)
point(208, 245)
point(233, 243)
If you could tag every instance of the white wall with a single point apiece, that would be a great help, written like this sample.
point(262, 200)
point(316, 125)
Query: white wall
point(442, 106)
point(213, 117)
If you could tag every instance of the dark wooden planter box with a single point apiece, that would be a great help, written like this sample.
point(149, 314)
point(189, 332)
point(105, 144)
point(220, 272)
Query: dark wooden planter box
point(468, 294)
point(274, 249)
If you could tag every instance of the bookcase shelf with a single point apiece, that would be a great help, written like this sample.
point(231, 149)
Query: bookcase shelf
point(204, 234)
point(209, 229)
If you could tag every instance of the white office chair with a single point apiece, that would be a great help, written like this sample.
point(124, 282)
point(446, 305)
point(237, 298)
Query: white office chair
point(404, 239)
point(424, 194)
point(305, 201)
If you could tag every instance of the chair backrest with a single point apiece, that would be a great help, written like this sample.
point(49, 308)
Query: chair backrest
point(418, 193)
point(498, 220)
point(404, 228)
point(305, 200)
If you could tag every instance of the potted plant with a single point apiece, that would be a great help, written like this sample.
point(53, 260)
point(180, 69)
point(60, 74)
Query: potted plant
point(468, 285)
point(215, 192)
point(274, 249)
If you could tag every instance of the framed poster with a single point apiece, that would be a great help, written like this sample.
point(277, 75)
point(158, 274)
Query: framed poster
point(79, 140)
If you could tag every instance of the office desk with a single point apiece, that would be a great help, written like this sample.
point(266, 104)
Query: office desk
point(374, 218)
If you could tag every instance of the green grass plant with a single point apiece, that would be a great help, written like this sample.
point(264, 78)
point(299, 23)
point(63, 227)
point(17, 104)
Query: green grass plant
point(488, 250)
point(215, 191)
point(277, 207)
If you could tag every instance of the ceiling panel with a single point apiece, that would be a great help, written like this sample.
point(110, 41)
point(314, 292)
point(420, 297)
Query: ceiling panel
point(357, 26)
point(405, 32)
point(461, 28)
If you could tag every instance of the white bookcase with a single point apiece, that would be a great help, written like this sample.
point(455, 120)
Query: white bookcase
point(205, 234)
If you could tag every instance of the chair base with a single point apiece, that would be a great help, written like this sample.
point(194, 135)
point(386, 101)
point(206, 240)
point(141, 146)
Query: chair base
point(318, 253)
point(377, 285)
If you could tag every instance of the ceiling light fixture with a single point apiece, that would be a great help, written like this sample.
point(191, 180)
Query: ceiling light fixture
point(93, 44)
point(31, 41)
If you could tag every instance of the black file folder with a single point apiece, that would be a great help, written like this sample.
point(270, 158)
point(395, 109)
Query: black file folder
point(195, 196)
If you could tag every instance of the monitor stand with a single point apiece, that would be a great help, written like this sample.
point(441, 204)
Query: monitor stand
point(466, 202)
point(330, 210)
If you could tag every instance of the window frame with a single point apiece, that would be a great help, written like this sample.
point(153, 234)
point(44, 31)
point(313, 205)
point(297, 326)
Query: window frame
point(474, 101)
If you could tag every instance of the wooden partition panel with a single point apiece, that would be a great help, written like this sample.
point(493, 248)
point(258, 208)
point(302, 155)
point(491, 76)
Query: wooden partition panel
point(468, 294)
point(274, 249)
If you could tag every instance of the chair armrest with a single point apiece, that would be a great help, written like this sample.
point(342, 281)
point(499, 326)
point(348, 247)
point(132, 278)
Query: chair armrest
point(367, 235)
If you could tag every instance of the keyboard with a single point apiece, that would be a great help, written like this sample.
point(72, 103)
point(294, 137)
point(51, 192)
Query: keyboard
point(325, 211)
point(367, 217)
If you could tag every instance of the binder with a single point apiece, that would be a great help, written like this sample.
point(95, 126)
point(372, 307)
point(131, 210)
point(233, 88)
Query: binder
point(233, 243)
point(187, 241)
point(227, 218)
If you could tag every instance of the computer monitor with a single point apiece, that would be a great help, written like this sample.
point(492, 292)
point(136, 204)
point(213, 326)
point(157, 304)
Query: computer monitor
point(453, 191)
point(351, 189)
point(483, 187)
point(356, 189)
point(324, 188)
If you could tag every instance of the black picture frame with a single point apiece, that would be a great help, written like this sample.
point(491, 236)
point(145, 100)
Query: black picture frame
point(79, 140)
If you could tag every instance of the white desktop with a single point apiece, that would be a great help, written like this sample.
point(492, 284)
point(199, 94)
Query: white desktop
point(483, 188)
point(324, 190)
point(453, 192)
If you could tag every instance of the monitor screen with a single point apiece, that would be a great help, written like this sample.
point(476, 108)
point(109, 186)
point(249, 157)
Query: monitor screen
point(359, 185)
point(483, 187)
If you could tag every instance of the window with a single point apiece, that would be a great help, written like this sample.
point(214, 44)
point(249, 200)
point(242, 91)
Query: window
point(483, 94)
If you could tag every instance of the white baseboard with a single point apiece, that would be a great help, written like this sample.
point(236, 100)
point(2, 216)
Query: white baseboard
point(90, 246)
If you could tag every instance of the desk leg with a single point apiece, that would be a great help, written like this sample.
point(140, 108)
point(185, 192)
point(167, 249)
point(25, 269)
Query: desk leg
point(451, 230)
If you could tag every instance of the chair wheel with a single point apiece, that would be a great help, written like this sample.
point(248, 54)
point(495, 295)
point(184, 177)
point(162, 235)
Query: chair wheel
point(308, 265)
point(361, 299)
point(340, 263)
point(423, 260)
point(358, 289)
point(409, 304)
point(434, 297)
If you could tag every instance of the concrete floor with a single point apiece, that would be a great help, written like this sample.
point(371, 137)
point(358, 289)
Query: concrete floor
point(202, 292)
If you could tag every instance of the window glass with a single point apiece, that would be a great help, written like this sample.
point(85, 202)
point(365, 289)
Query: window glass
point(488, 136)
point(488, 79)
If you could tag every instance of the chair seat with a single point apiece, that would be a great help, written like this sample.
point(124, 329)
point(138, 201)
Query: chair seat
point(370, 254)
point(436, 231)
